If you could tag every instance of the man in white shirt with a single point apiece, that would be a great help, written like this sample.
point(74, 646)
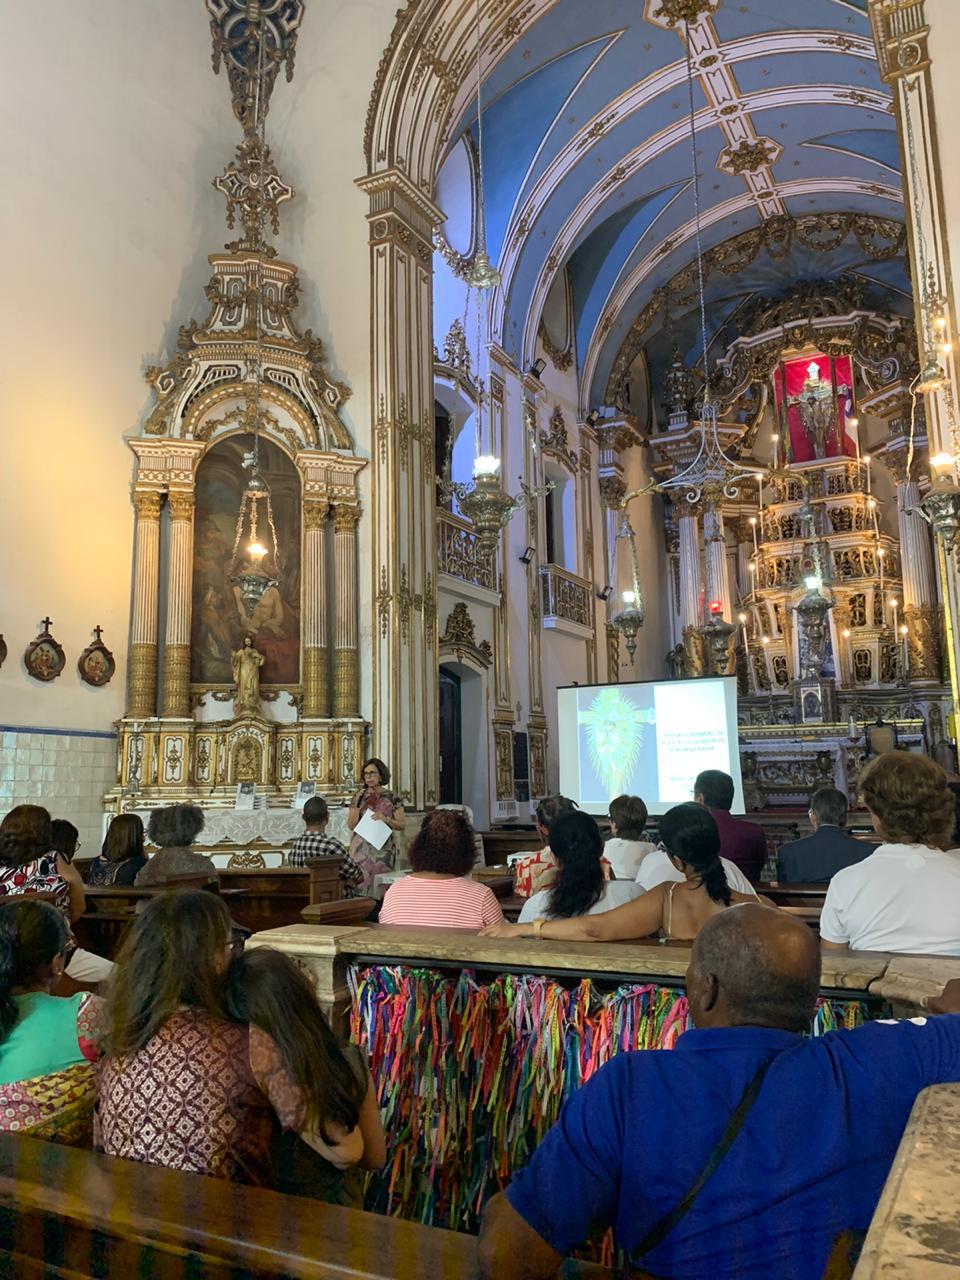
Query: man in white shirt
point(906, 895)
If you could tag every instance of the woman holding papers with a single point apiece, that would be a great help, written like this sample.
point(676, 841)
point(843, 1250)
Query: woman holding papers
point(374, 815)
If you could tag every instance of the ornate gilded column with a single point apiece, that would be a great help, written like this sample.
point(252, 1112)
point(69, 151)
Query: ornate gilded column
point(346, 658)
point(406, 726)
point(176, 647)
point(691, 618)
point(316, 690)
point(718, 573)
point(142, 687)
point(921, 613)
point(916, 54)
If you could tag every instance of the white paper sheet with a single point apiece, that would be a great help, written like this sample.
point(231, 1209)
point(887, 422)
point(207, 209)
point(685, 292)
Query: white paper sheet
point(373, 830)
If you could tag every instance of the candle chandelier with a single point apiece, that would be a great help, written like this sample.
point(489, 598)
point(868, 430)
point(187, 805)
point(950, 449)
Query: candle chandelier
point(483, 500)
point(256, 561)
point(712, 475)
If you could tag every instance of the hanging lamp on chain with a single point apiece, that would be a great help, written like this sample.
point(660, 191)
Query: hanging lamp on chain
point(483, 500)
point(256, 562)
point(712, 475)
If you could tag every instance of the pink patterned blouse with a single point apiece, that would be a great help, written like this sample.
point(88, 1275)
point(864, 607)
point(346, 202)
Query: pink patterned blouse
point(200, 1096)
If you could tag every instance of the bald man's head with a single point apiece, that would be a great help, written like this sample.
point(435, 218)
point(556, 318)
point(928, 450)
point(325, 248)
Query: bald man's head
point(754, 966)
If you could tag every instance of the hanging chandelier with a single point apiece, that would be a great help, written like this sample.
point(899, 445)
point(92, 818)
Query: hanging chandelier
point(483, 500)
point(712, 475)
point(256, 562)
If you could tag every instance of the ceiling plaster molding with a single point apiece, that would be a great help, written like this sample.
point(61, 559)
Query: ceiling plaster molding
point(578, 218)
point(745, 154)
point(754, 240)
point(565, 241)
point(765, 46)
point(425, 80)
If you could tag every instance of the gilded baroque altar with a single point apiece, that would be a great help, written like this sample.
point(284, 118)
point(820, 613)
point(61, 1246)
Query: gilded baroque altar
point(244, 402)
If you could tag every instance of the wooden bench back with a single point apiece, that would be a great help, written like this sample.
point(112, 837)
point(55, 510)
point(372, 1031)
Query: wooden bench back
point(74, 1215)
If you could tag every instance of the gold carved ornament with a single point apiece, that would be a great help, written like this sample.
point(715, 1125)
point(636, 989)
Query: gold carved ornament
point(878, 238)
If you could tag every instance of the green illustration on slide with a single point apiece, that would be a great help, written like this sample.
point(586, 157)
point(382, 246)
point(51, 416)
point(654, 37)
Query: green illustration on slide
point(614, 736)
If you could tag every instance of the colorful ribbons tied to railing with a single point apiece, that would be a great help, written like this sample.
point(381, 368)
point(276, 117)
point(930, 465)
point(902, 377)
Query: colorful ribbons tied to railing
point(472, 1073)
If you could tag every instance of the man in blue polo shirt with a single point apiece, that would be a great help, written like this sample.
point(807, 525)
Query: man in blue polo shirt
point(746, 1151)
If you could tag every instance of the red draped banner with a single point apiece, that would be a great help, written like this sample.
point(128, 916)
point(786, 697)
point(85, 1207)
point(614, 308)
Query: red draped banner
point(814, 397)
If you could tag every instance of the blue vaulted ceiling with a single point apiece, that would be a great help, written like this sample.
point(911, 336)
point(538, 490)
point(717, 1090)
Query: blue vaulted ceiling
point(588, 158)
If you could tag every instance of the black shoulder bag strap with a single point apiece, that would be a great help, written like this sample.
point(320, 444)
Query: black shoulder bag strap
point(662, 1229)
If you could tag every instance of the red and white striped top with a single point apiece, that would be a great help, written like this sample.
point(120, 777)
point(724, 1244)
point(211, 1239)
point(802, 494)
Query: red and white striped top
point(457, 903)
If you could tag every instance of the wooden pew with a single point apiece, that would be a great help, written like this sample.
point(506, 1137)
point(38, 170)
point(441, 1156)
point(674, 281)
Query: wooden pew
point(810, 896)
point(257, 899)
point(75, 1215)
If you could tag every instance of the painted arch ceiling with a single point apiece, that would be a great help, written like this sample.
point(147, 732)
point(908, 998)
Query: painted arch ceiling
point(588, 164)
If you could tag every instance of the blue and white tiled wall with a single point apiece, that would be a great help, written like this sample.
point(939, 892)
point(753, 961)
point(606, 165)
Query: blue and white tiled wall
point(67, 771)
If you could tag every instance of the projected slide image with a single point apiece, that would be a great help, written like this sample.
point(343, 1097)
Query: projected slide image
point(617, 740)
point(647, 739)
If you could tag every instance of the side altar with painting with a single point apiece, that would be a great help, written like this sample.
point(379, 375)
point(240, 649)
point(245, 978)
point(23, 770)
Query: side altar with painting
point(243, 664)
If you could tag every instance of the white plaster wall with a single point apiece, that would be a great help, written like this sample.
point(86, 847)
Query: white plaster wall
point(114, 127)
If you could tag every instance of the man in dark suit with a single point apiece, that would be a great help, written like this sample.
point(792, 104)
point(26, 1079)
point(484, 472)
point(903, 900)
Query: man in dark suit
point(744, 843)
point(829, 849)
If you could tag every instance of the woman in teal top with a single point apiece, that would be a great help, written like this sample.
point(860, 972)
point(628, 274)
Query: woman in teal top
point(47, 1043)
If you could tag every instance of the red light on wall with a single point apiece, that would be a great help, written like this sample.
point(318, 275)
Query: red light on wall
point(715, 606)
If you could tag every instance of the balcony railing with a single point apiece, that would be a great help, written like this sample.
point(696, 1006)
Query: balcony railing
point(458, 555)
point(566, 596)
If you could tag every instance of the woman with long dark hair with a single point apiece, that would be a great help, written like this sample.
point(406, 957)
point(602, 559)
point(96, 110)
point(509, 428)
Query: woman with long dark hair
point(270, 992)
point(580, 888)
point(122, 857)
point(689, 835)
point(47, 1043)
point(182, 1085)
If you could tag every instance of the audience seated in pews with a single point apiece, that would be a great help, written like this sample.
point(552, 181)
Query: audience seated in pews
point(906, 895)
point(579, 888)
point(384, 806)
point(271, 992)
point(819, 857)
point(745, 1153)
point(64, 838)
point(315, 843)
point(741, 842)
point(122, 857)
point(438, 893)
point(173, 829)
point(29, 864)
point(626, 849)
point(181, 1085)
point(48, 1044)
point(688, 834)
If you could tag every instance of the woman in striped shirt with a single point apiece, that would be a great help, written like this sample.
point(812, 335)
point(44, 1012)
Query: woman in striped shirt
point(438, 892)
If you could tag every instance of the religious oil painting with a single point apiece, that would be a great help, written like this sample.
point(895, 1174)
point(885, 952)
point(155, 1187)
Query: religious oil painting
point(235, 595)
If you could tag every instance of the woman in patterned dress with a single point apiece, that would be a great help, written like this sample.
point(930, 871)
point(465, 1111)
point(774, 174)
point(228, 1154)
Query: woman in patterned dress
point(30, 864)
point(181, 1085)
point(385, 807)
point(47, 1043)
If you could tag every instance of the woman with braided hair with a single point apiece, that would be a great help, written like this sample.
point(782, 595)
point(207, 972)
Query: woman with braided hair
point(679, 909)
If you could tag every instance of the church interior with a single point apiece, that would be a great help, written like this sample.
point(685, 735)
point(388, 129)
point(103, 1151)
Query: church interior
point(494, 506)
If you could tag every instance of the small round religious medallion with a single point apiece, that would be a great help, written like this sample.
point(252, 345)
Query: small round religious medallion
point(44, 658)
point(96, 664)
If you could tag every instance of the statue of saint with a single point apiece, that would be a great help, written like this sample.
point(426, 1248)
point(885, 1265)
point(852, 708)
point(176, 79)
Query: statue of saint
point(247, 662)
